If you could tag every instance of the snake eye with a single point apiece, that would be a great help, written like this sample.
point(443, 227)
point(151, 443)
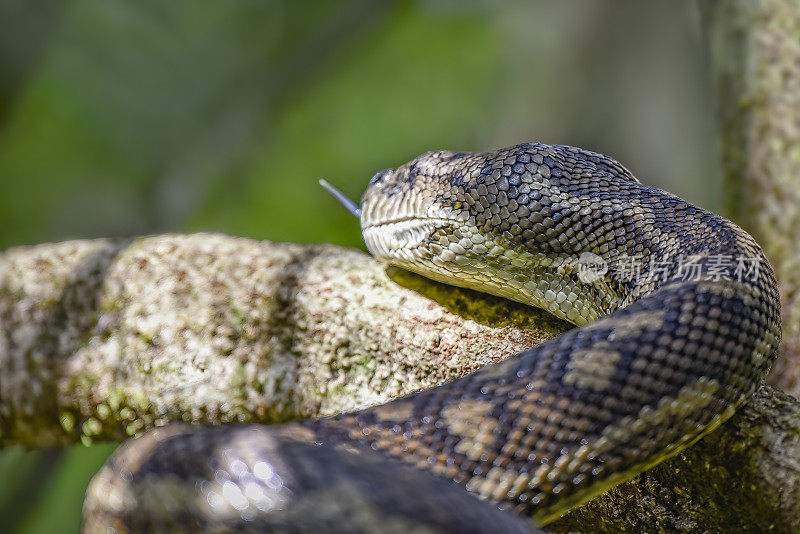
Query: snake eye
point(378, 175)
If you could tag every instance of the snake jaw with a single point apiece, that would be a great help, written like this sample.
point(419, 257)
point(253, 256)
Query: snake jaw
point(403, 241)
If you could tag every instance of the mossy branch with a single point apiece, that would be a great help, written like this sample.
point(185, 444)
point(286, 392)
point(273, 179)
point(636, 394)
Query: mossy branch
point(104, 339)
point(755, 61)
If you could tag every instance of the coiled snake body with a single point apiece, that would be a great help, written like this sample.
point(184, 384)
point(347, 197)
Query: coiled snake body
point(679, 322)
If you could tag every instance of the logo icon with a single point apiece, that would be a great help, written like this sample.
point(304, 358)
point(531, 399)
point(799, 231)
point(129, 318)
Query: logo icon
point(591, 268)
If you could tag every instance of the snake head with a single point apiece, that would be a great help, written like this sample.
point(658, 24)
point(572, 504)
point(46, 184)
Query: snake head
point(407, 215)
point(486, 222)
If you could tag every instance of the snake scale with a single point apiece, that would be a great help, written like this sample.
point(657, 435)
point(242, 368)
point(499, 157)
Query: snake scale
point(668, 345)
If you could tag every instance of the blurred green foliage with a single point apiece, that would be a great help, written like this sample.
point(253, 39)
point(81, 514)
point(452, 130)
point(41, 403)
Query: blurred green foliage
point(123, 118)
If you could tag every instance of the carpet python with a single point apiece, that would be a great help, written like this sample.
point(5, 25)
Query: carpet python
point(678, 322)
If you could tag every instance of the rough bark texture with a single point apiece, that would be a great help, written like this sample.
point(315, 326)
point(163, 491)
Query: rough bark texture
point(755, 59)
point(102, 339)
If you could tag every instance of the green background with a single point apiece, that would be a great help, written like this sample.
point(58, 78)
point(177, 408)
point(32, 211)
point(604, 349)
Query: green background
point(125, 118)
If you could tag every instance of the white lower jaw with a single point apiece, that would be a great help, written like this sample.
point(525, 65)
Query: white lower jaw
point(400, 239)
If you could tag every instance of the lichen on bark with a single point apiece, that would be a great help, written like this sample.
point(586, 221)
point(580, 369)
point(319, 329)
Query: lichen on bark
point(103, 339)
point(755, 61)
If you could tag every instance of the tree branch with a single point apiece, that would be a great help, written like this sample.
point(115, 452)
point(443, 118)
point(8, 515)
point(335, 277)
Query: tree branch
point(102, 339)
point(755, 60)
